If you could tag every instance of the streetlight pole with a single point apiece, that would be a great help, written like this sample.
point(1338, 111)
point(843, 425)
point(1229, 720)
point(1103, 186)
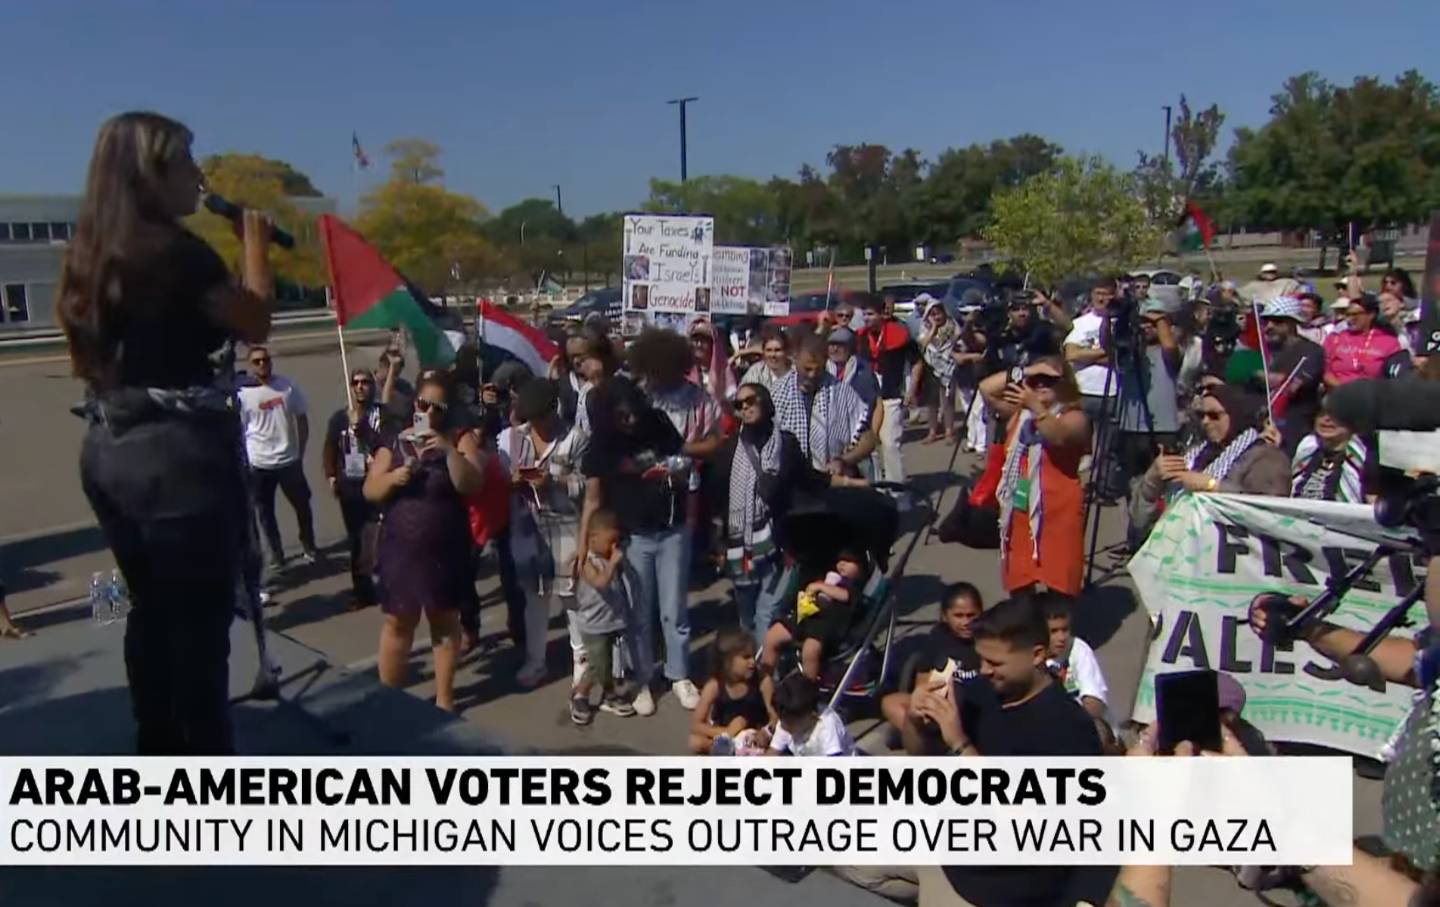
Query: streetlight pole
point(681, 102)
point(1167, 133)
point(559, 205)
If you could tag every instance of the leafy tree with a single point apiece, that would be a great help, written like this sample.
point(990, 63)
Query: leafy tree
point(414, 160)
point(955, 199)
point(1166, 185)
point(601, 238)
point(1329, 156)
point(744, 209)
point(1080, 217)
point(267, 185)
point(422, 228)
point(540, 219)
point(871, 186)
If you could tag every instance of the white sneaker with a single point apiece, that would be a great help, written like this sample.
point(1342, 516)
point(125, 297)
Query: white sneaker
point(644, 701)
point(577, 674)
point(686, 693)
point(531, 676)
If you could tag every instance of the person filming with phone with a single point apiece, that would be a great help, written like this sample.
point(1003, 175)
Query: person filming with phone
point(420, 482)
point(145, 306)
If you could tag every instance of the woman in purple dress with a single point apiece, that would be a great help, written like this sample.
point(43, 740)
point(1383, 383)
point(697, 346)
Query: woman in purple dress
point(421, 481)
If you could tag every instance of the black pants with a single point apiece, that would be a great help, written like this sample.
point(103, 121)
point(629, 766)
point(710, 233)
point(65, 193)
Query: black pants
point(360, 518)
point(170, 498)
point(291, 480)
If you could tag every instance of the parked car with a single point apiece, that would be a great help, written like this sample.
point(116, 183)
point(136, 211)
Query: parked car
point(606, 302)
point(905, 294)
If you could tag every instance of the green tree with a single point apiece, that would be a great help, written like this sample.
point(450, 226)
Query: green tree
point(422, 228)
point(955, 200)
point(1164, 185)
point(872, 187)
point(271, 186)
point(1368, 154)
point(745, 210)
point(1080, 217)
point(601, 238)
point(530, 220)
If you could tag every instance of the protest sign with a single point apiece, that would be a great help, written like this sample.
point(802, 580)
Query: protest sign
point(1210, 555)
point(1430, 291)
point(751, 280)
point(667, 263)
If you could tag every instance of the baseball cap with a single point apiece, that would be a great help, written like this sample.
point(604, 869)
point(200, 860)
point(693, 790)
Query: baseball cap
point(1341, 303)
point(1307, 290)
point(1153, 307)
point(841, 335)
point(1268, 267)
point(1283, 307)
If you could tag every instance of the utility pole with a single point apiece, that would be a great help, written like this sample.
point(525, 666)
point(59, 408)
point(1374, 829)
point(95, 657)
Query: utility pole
point(1167, 133)
point(559, 205)
point(681, 102)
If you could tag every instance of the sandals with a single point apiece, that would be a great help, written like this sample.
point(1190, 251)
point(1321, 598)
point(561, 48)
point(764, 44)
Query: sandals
point(11, 631)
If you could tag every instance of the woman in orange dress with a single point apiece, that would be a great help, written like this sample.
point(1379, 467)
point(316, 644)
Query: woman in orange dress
point(1042, 532)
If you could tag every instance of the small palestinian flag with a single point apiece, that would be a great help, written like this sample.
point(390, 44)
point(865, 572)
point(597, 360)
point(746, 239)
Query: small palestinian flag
point(1196, 230)
point(369, 293)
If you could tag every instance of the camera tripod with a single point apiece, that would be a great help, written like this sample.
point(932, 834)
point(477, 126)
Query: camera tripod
point(1108, 431)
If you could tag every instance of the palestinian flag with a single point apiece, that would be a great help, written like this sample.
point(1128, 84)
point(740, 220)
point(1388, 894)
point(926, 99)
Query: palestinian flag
point(499, 330)
point(1247, 359)
point(1196, 230)
point(369, 293)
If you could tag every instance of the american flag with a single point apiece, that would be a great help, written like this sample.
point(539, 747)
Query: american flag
point(361, 160)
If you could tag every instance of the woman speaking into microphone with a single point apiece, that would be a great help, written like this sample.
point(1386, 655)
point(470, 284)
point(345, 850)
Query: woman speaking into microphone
point(150, 312)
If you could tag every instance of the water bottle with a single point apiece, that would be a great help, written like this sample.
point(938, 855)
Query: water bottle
point(119, 596)
point(99, 599)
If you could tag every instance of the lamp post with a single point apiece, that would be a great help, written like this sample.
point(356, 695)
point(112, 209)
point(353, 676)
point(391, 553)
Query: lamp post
point(559, 205)
point(681, 102)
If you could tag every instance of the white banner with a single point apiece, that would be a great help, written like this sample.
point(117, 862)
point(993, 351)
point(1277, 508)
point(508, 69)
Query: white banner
point(730, 281)
point(1211, 554)
point(672, 811)
point(667, 262)
point(751, 280)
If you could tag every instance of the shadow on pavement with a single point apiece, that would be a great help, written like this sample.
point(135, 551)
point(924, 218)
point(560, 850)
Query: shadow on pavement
point(23, 558)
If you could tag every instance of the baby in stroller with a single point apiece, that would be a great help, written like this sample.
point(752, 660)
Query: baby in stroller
point(824, 612)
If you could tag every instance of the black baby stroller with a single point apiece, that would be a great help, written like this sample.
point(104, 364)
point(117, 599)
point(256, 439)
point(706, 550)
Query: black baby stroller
point(813, 534)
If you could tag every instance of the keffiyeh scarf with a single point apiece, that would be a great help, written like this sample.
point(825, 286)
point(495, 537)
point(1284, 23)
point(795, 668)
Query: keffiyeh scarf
point(750, 537)
point(1028, 445)
point(1202, 456)
point(1322, 475)
point(828, 425)
point(939, 348)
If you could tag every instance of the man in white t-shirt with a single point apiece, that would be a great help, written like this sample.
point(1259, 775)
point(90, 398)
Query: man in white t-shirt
point(1073, 662)
point(276, 431)
point(1086, 354)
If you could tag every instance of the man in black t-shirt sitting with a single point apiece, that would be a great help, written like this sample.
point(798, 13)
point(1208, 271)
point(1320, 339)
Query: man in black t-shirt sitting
point(1015, 708)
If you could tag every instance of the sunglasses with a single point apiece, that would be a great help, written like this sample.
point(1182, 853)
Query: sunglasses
point(424, 406)
point(1212, 415)
point(744, 403)
point(362, 382)
point(263, 360)
point(1041, 382)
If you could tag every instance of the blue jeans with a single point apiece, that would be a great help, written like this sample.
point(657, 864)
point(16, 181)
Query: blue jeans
point(760, 603)
point(658, 569)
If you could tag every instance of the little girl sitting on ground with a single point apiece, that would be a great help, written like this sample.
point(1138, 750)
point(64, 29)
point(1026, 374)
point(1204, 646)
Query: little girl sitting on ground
point(822, 616)
point(732, 713)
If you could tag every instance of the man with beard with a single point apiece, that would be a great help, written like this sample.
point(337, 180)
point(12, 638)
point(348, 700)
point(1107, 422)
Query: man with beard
point(1297, 366)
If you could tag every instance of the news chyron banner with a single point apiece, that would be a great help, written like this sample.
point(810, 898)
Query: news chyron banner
point(751, 281)
point(1211, 554)
point(668, 811)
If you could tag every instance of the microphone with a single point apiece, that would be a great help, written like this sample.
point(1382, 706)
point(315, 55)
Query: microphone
point(227, 209)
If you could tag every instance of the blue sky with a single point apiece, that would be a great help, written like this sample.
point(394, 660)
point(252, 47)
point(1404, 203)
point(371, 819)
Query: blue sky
point(524, 95)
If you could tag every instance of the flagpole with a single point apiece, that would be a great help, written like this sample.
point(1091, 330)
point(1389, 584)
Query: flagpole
point(331, 303)
point(1264, 359)
point(830, 278)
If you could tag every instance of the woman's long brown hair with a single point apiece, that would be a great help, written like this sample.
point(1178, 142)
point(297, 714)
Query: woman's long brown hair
point(122, 196)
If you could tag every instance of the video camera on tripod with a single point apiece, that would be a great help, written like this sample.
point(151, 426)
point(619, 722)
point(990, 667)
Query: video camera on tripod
point(1403, 405)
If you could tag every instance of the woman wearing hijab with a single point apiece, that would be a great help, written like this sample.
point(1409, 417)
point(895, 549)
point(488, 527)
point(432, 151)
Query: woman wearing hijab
point(936, 366)
point(1232, 458)
point(1332, 464)
point(1041, 499)
point(759, 469)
